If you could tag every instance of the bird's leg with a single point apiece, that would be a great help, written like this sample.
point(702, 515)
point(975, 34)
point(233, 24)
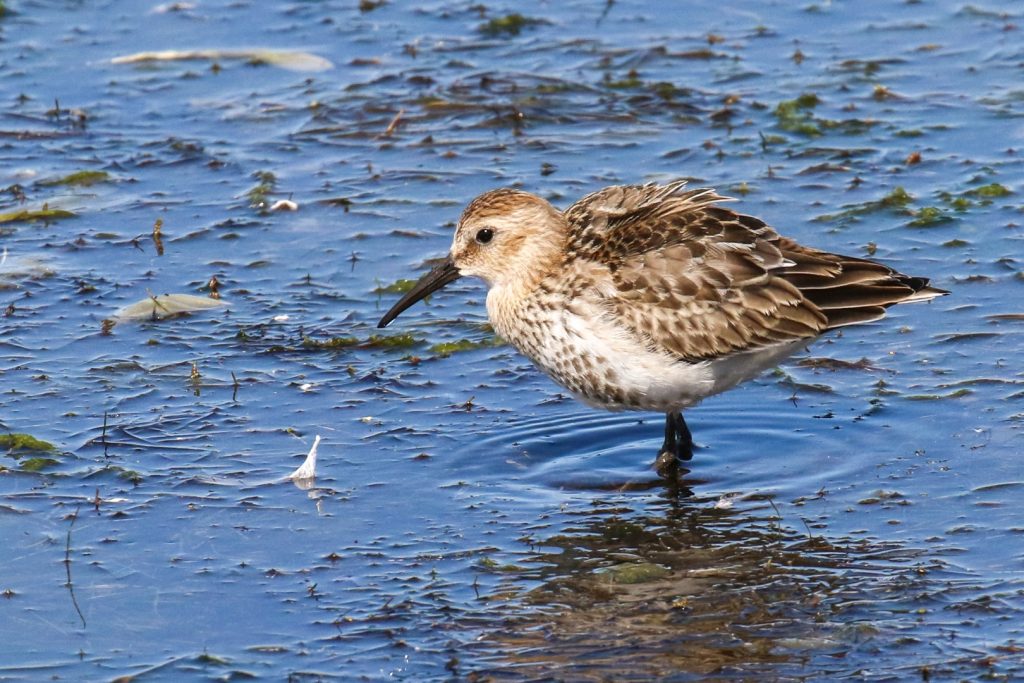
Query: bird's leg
point(677, 448)
point(684, 441)
point(667, 462)
point(670, 434)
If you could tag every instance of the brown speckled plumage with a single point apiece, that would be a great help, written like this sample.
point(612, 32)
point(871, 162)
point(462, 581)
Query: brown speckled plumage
point(702, 281)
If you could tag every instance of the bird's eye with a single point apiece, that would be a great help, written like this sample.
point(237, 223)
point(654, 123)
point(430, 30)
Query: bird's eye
point(484, 235)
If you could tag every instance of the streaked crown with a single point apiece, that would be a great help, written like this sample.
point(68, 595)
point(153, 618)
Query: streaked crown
point(507, 236)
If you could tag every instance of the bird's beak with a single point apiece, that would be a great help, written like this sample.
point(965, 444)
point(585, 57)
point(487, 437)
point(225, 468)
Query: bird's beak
point(437, 278)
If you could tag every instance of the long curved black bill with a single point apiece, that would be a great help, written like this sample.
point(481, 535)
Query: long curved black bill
point(437, 278)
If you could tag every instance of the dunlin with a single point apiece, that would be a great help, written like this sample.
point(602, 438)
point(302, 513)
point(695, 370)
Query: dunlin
point(654, 297)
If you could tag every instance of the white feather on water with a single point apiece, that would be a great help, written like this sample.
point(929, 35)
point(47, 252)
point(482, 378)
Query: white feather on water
point(293, 60)
point(304, 476)
point(165, 306)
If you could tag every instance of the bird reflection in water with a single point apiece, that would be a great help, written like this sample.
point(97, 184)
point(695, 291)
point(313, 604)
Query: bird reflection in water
point(700, 588)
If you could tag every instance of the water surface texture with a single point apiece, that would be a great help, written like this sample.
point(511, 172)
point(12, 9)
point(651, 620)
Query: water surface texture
point(855, 513)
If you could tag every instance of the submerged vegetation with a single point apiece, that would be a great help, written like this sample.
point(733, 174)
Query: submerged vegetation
point(898, 199)
point(990, 191)
point(15, 443)
point(399, 286)
point(445, 349)
point(45, 214)
point(402, 340)
point(508, 25)
point(795, 115)
point(374, 341)
point(259, 196)
point(20, 445)
point(78, 178)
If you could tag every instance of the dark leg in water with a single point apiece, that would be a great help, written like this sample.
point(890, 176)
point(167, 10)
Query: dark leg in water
point(684, 440)
point(678, 446)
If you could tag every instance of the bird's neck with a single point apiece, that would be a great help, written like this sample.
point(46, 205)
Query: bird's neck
point(509, 299)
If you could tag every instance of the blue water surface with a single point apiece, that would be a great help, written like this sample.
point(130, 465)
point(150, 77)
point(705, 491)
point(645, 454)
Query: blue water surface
point(855, 513)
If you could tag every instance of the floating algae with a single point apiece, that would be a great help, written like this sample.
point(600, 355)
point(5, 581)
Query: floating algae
point(12, 442)
point(78, 178)
point(29, 215)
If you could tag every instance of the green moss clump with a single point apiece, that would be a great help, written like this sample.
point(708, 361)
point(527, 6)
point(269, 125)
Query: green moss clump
point(445, 349)
point(25, 442)
point(632, 80)
point(79, 178)
point(36, 464)
point(43, 214)
point(960, 203)
point(897, 197)
point(938, 397)
point(259, 195)
point(400, 286)
point(990, 191)
point(397, 341)
point(508, 25)
point(795, 115)
point(329, 344)
point(897, 200)
point(929, 216)
point(665, 90)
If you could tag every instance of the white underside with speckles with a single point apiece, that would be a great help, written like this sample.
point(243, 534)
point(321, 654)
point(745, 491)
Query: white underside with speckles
point(650, 379)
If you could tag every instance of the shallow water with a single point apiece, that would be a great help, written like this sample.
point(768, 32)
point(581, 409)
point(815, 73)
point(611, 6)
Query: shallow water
point(468, 518)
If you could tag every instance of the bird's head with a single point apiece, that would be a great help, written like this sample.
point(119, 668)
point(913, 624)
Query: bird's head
point(505, 237)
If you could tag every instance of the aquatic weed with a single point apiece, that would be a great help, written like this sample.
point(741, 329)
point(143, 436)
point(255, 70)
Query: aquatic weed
point(794, 115)
point(897, 200)
point(45, 214)
point(445, 349)
point(13, 442)
point(78, 178)
point(508, 25)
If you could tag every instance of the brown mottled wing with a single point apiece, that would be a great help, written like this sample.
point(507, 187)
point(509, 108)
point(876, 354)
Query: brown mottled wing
point(847, 289)
point(700, 281)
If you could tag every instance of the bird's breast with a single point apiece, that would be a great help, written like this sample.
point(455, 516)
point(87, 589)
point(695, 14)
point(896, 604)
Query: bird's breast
point(579, 345)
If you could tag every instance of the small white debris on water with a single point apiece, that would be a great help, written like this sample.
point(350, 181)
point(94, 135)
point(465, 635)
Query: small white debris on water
point(284, 205)
point(280, 318)
point(366, 420)
point(307, 471)
point(306, 387)
point(172, 7)
point(725, 502)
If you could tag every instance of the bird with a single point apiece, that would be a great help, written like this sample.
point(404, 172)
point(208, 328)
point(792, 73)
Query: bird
point(653, 297)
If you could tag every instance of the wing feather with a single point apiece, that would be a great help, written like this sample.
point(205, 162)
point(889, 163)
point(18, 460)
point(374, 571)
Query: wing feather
point(699, 281)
